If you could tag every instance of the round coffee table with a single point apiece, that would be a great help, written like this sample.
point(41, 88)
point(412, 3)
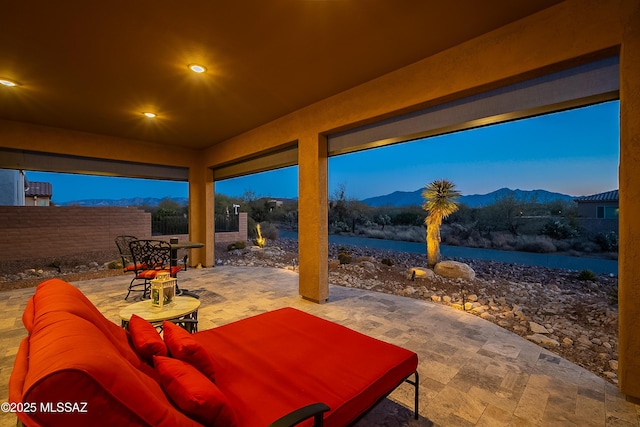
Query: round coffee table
point(183, 311)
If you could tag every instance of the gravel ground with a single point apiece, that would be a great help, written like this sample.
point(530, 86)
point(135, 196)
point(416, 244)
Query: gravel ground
point(574, 318)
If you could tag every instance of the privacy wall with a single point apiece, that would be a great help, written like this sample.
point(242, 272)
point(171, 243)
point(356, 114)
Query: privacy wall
point(43, 232)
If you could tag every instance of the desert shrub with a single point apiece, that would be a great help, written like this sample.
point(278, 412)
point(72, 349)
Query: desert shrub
point(387, 261)
point(585, 246)
point(477, 241)
point(269, 231)
point(374, 233)
point(240, 244)
point(340, 227)
point(451, 240)
point(503, 241)
point(537, 244)
point(344, 257)
point(408, 218)
point(607, 241)
point(559, 230)
point(114, 265)
point(410, 234)
point(457, 230)
point(586, 275)
point(562, 245)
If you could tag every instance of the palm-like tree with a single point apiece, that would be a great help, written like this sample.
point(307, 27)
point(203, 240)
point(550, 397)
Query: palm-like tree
point(440, 196)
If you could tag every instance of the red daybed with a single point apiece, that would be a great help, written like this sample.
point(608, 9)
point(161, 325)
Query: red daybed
point(273, 367)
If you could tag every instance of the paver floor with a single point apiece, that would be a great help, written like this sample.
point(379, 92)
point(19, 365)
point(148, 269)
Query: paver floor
point(472, 372)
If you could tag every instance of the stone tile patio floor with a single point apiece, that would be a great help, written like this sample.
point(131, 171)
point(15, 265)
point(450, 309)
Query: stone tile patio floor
point(472, 372)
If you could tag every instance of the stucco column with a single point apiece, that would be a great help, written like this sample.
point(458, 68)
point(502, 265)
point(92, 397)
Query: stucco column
point(312, 218)
point(201, 227)
point(629, 248)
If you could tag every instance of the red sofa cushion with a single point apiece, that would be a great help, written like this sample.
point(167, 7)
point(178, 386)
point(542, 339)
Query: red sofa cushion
point(72, 354)
point(270, 364)
point(146, 340)
point(151, 274)
point(182, 346)
point(193, 393)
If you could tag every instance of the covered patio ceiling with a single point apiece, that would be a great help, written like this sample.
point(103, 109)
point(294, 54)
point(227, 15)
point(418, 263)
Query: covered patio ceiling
point(97, 66)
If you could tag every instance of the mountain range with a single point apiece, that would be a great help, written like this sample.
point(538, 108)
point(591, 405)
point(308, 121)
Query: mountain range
point(414, 198)
point(397, 198)
point(134, 201)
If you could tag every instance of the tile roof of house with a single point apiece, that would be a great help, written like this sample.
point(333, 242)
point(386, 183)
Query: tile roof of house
point(607, 196)
point(41, 189)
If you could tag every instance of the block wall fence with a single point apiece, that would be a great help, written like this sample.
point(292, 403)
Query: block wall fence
point(48, 232)
point(44, 232)
point(241, 234)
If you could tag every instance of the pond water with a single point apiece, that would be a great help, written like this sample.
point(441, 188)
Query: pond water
point(565, 262)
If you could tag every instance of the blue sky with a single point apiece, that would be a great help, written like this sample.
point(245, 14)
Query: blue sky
point(574, 152)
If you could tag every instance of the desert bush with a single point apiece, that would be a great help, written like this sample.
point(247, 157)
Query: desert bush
point(503, 241)
point(410, 234)
point(340, 227)
point(559, 230)
point(269, 231)
point(344, 257)
point(387, 261)
point(537, 244)
point(562, 245)
point(585, 246)
point(608, 242)
point(586, 275)
point(374, 233)
point(451, 240)
point(478, 241)
point(240, 244)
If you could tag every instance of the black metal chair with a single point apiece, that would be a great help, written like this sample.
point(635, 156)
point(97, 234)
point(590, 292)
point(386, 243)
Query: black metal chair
point(150, 257)
point(122, 242)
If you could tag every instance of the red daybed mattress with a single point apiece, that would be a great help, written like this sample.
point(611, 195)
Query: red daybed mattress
point(273, 363)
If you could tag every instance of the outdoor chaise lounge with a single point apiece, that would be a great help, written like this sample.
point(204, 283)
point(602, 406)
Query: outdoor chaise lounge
point(277, 368)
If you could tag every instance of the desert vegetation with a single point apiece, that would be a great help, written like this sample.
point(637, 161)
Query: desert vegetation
point(507, 224)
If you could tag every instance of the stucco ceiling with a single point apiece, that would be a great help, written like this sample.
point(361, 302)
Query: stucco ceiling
point(96, 66)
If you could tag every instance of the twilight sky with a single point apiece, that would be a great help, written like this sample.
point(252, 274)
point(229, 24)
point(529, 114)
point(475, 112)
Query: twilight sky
point(574, 152)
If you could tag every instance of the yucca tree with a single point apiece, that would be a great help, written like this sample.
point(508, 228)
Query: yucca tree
point(440, 196)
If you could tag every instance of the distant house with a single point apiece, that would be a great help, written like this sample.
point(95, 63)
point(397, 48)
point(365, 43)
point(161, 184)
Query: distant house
point(601, 205)
point(598, 213)
point(38, 194)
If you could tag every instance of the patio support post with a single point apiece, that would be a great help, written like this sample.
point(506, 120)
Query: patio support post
point(313, 218)
point(201, 215)
point(629, 235)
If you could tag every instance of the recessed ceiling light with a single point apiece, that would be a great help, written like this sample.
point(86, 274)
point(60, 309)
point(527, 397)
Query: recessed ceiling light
point(197, 68)
point(7, 82)
point(150, 115)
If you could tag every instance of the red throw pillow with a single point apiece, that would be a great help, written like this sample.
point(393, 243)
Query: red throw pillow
point(193, 393)
point(147, 342)
point(182, 346)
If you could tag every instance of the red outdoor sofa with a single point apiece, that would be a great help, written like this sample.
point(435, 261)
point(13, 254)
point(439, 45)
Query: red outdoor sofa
point(284, 367)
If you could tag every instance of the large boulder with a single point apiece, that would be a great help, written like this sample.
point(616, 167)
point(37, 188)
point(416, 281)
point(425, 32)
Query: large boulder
point(455, 270)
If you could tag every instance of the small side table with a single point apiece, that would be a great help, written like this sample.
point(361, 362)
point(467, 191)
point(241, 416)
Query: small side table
point(183, 311)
